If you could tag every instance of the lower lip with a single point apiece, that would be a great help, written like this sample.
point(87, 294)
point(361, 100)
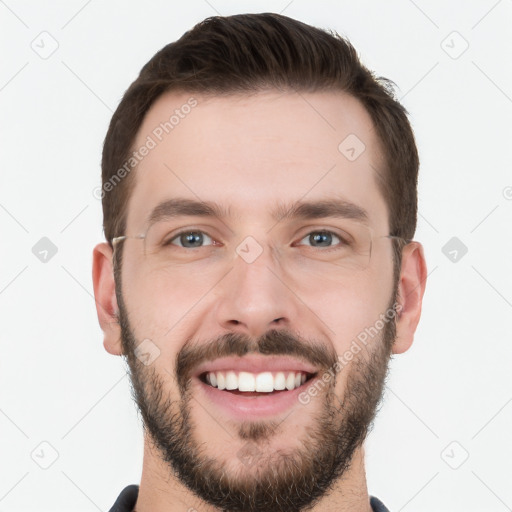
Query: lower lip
point(243, 407)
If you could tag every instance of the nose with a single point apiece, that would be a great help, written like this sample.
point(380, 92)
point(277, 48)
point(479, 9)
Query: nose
point(255, 297)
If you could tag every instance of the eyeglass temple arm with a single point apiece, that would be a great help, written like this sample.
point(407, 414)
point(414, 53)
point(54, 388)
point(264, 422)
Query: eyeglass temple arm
point(124, 237)
point(406, 240)
point(117, 239)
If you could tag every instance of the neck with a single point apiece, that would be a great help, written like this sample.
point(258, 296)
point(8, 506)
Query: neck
point(161, 491)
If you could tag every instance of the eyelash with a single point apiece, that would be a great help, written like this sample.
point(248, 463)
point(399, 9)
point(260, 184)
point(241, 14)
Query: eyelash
point(324, 249)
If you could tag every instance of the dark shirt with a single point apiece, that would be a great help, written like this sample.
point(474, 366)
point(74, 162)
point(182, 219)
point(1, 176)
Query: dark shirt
point(128, 497)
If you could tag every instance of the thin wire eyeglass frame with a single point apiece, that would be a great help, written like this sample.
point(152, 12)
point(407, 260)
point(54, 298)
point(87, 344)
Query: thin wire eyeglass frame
point(142, 236)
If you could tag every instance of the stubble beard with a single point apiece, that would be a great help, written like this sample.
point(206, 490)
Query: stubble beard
point(273, 480)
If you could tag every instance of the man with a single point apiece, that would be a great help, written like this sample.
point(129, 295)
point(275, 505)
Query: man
point(259, 198)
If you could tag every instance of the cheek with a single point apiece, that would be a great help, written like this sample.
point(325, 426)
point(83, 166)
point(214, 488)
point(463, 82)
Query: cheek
point(351, 316)
point(346, 305)
point(162, 302)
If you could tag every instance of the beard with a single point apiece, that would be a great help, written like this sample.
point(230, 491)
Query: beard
point(271, 480)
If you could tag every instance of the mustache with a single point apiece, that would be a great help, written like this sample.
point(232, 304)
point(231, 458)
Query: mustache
point(272, 343)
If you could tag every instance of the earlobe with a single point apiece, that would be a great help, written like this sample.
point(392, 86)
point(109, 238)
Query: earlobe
point(105, 296)
point(411, 287)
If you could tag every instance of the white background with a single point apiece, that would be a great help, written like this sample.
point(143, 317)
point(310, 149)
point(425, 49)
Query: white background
point(59, 386)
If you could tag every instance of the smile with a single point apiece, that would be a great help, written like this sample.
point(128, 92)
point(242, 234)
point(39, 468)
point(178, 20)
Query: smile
point(265, 382)
point(253, 387)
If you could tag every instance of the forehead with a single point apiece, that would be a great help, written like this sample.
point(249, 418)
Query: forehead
point(251, 152)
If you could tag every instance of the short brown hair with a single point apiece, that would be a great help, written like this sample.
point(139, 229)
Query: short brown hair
point(247, 53)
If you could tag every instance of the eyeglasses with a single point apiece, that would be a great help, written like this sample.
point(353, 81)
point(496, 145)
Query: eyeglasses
point(346, 243)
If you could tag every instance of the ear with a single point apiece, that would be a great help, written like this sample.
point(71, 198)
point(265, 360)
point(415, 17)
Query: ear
point(105, 296)
point(413, 276)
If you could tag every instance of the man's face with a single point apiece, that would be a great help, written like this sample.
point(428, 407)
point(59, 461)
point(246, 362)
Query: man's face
point(253, 298)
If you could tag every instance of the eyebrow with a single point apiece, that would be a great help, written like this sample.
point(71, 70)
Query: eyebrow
point(303, 210)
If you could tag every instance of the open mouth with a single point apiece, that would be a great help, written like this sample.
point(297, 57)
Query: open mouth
point(256, 384)
point(253, 387)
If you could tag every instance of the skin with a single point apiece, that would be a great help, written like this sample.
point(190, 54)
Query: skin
point(249, 153)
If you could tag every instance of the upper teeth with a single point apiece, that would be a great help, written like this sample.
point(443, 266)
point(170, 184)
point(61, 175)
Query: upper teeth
point(265, 382)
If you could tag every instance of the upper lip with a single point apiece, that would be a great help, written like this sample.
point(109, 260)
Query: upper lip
point(256, 364)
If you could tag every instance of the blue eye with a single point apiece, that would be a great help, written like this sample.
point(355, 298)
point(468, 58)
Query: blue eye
point(323, 238)
point(190, 239)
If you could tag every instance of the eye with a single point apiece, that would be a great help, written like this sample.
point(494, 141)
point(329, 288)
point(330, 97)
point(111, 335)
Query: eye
point(323, 238)
point(191, 239)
